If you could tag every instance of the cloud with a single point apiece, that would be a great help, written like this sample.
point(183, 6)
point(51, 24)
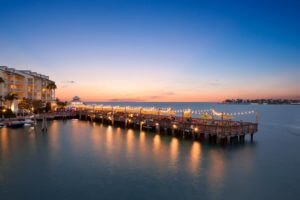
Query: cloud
point(152, 97)
point(66, 84)
point(170, 93)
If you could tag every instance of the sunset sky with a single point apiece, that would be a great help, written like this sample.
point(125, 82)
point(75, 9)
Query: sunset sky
point(156, 50)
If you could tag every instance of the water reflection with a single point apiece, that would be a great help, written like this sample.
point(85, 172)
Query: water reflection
point(78, 135)
point(96, 137)
point(174, 146)
point(216, 168)
point(4, 144)
point(109, 140)
point(118, 139)
point(159, 153)
point(195, 158)
point(130, 137)
point(53, 135)
point(142, 144)
point(156, 144)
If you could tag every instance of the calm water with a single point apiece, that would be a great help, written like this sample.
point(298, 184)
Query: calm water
point(83, 160)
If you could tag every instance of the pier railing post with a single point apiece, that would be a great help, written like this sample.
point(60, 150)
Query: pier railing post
point(157, 128)
point(44, 123)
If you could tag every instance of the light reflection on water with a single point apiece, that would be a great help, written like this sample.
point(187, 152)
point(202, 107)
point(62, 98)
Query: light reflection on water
point(109, 140)
point(4, 145)
point(130, 139)
point(216, 167)
point(195, 158)
point(142, 144)
point(174, 151)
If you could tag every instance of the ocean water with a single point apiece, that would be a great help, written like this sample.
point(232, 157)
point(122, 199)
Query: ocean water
point(83, 160)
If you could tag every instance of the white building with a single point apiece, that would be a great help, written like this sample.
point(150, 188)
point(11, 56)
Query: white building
point(25, 84)
point(75, 102)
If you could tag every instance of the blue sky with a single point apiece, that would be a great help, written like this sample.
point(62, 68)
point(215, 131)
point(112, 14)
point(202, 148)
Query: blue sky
point(156, 50)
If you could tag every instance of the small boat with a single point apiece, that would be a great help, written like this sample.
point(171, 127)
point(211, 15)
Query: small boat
point(147, 127)
point(15, 124)
point(28, 122)
point(2, 125)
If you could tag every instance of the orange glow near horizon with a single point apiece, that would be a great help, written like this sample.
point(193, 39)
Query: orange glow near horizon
point(203, 95)
point(174, 86)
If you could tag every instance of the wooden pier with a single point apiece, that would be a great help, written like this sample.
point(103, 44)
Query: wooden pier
point(166, 121)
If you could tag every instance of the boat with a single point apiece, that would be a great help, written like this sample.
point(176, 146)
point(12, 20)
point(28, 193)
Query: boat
point(2, 125)
point(15, 124)
point(28, 122)
point(147, 127)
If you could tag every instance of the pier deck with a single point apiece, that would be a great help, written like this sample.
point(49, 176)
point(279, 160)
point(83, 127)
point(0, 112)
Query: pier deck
point(216, 130)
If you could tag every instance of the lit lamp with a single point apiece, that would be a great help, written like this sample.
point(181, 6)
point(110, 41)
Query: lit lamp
point(3, 111)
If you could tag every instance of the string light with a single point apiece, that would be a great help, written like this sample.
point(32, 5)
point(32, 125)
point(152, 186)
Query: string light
point(163, 110)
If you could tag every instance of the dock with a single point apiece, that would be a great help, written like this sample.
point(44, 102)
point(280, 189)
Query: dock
point(167, 121)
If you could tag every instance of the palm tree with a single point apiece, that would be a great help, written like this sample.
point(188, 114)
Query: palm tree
point(1, 83)
point(1, 80)
point(52, 86)
point(1, 100)
point(10, 98)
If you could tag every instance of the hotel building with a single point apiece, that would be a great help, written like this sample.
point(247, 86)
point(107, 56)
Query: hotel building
point(25, 84)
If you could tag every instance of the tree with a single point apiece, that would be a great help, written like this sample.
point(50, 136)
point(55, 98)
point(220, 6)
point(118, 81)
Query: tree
point(60, 104)
point(48, 107)
point(25, 104)
point(6, 112)
point(10, 98)
point(38, 106)
point(52, 86)
point(1, 100)
point(1, 83)
point(1, 80)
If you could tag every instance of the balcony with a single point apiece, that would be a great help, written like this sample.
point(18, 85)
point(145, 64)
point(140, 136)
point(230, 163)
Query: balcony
point(16, 82)
point(17, 89)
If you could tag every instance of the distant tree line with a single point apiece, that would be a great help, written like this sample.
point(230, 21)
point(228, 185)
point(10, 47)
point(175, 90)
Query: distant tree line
point(261, 101)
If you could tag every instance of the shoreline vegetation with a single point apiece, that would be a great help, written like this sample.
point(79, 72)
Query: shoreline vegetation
point(263, 101)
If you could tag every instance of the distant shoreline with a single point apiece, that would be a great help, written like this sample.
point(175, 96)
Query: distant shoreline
point(143, 102)
point(262, 101)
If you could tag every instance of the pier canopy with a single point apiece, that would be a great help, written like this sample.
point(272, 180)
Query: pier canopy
point(206, 116)
point(75, 102)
